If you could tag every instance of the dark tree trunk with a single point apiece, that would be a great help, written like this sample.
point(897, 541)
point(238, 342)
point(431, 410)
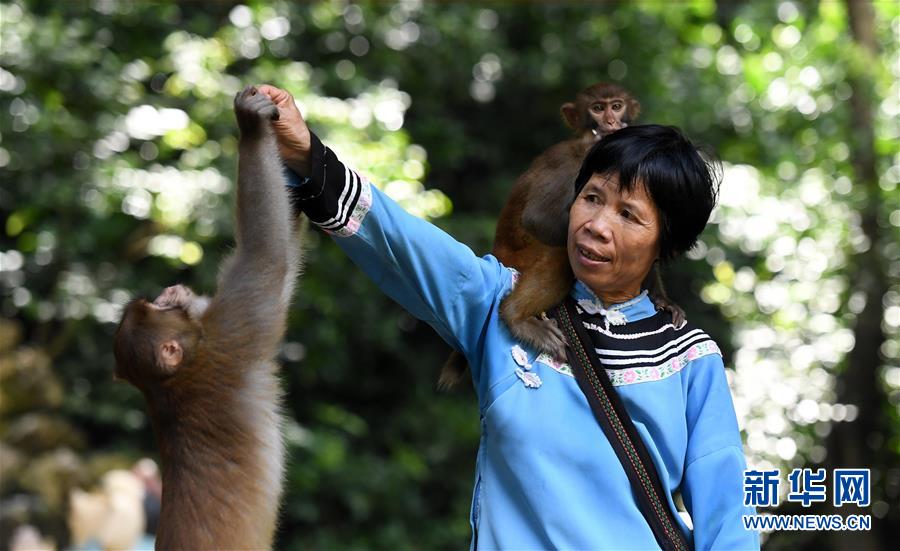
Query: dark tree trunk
point(860, 443)
point(726, 11)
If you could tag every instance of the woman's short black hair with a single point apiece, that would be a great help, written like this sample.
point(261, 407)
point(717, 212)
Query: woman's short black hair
point(683, 184)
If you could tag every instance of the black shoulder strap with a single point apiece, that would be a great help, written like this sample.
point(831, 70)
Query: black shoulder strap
point(619, 429)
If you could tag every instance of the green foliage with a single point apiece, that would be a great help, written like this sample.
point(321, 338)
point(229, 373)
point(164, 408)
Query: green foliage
point(117, 158)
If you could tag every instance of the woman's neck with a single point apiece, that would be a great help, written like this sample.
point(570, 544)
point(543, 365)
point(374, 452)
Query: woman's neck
point(608, 299)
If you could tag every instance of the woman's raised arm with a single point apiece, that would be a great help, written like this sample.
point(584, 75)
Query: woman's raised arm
point(436, 278)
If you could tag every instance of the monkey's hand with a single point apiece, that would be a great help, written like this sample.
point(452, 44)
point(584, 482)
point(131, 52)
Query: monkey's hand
point(254, 111)
point(179, 296)
point(294, 141)
point(174, 296)
point(543, 334)
point(679, 318)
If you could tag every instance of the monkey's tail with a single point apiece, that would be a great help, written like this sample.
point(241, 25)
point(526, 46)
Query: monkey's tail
point(453, 371)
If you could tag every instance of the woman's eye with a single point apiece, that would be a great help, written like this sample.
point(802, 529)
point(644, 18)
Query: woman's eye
point(591, 198)
point(627, 215)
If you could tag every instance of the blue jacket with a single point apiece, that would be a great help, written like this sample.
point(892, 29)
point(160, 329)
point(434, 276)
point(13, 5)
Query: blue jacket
point(546, 476)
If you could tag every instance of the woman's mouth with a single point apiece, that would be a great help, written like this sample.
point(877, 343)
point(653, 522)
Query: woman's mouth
point(593, 257)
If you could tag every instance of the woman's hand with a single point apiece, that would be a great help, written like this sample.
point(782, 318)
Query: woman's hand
point(293, 136)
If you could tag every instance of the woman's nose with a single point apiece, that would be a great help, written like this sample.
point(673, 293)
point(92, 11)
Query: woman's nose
point(599, 225)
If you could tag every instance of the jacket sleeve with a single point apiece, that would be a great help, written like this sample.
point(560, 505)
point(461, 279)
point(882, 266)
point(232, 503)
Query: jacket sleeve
point(715, 464)
point(436, 278)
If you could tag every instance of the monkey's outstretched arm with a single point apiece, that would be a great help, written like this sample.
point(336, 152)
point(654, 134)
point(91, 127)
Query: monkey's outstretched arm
point(249, 309)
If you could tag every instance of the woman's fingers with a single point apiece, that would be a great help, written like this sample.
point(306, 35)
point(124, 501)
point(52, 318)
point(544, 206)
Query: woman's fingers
point(293, 136)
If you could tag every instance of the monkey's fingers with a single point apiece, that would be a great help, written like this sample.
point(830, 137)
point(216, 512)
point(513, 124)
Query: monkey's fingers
point(679, 318)
point(542, 334)
point(559, 343)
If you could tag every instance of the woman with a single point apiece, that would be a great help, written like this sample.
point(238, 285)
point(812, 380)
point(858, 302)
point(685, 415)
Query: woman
point(546, 475)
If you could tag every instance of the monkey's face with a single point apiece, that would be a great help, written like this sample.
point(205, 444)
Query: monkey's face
point(156, 338)
point(613, 238)
point(608, 114)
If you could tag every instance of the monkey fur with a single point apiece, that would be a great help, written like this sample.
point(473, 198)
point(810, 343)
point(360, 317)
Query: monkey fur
point(206, 366)
point(532, 228)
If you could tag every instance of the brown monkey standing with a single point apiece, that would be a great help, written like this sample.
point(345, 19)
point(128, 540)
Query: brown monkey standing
point(532, 227)
point(206, 366)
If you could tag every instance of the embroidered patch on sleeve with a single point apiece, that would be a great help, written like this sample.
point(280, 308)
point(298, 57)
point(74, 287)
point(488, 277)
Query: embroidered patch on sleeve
point(350, 214)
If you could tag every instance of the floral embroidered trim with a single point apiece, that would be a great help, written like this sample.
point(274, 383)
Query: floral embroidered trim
point(550, 361)
point(363, 204)
point(634, 375)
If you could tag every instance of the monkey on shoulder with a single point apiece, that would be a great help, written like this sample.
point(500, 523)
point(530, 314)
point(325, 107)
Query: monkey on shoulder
point(547, 186)
point(206, 365)
point(532, 228)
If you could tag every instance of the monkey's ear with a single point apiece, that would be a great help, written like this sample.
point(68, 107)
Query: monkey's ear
point(634, 109)
point(570, 115)
point(169, 356)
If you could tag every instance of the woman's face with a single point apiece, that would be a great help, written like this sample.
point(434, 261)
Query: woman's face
point(613, 238)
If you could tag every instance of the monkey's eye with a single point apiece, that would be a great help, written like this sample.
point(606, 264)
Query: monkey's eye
point(618, 106)
point(597, 108)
